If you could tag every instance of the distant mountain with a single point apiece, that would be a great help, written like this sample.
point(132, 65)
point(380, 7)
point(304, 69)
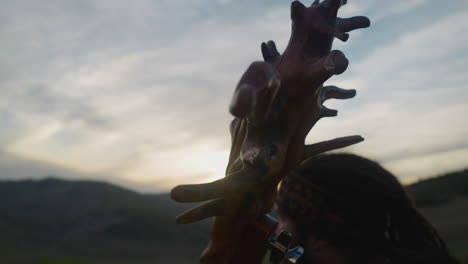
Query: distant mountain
point(439, 190)
point(94, 222)
point(444, 201)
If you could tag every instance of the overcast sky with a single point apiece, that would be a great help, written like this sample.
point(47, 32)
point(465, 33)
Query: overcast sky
point(136, 92)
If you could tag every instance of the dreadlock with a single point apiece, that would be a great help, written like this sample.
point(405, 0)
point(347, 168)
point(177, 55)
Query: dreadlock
point(349, 200)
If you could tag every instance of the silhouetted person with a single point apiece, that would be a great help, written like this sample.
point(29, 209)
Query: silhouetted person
point(342, 208)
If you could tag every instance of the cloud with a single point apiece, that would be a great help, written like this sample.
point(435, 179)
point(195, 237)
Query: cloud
point(140, 91)
point(14, 167)
point(411, 99)
point(379, 10)
point(119, 107)
point(423, 166)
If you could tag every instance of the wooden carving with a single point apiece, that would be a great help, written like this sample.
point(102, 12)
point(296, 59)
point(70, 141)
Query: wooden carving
point(275, 104)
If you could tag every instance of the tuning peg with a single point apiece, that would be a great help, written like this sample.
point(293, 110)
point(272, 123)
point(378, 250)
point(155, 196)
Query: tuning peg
point(269, 51)
point(326, 112)
point(208, 209)
point(235, 183)
point(324, 146)
point(352, 23)
point(333, 92)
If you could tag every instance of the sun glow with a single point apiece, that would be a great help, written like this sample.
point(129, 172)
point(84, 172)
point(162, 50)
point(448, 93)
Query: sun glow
point(214, 163)
point(198, 163)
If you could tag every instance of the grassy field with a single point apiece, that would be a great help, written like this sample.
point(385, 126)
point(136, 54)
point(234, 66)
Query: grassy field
point(451, 220)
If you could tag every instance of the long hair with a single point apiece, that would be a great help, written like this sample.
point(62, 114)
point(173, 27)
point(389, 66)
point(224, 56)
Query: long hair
point(349, 200)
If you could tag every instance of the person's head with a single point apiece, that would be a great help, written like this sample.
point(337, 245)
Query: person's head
point(350, 208)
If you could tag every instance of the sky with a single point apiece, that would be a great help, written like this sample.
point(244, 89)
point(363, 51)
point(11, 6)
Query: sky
point(136, 92)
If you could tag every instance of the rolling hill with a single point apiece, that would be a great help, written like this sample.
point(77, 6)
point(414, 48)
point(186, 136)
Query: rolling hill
point(93, 222)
